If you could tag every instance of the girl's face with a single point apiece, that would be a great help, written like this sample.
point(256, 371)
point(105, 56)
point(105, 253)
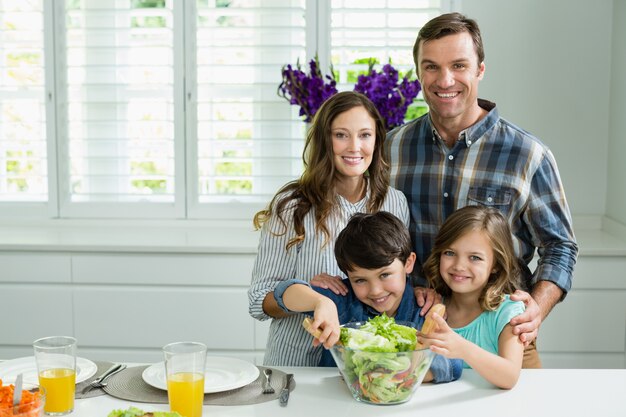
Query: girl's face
point(466, 265)
point(382, 288)
point(354, 138)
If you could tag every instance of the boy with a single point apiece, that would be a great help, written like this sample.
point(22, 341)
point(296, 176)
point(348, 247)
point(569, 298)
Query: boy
point(374, 251)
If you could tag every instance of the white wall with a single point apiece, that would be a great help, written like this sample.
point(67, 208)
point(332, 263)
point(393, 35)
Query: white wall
point(616, 194)
point(548, 69)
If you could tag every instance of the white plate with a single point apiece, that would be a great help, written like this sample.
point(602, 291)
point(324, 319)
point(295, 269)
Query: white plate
point(221, 374)
point(27, 366)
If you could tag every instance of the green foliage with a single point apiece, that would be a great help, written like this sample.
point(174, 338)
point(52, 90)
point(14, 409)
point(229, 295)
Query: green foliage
point(17, 59)
point(154, 186)
point(148, 22)
point(145, 4)
point(233, 168)
point(72, 4)
point(415, 110)
point(233, 186)
point(17, 167)
point(144, 168)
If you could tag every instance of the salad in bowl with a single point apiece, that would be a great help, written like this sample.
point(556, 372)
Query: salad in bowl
point(379, 360)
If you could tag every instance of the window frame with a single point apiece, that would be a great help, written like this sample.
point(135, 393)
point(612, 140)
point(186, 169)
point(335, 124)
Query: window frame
point(186, 203)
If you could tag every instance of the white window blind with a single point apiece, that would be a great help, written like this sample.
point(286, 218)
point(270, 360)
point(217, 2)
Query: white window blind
point(120, 103)
point(248, 143)
point(169, 108)
point(384, 30)
point(379, 30)
point(23, 164)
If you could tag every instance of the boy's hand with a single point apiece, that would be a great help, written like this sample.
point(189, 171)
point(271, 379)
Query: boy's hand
point(325, 325)
point(443, 340)
point(329, 282)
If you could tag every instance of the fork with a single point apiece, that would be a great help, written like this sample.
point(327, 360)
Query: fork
point(267, 388)
point(100, 381)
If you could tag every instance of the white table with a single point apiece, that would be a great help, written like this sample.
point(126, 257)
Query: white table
point(320, 392)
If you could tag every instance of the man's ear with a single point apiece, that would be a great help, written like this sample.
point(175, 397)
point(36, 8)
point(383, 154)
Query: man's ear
point(410, 263)
point(481, 71)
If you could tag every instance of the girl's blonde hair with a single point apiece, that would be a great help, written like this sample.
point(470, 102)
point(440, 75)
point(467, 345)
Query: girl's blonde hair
point(315, 189)
point(505, 279)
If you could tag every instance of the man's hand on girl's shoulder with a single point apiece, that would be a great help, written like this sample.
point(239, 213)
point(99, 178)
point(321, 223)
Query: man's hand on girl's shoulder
point(526, 325)
point(426, 298)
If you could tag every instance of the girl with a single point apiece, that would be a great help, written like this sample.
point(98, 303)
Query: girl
point(473, 266)
point(345, 172)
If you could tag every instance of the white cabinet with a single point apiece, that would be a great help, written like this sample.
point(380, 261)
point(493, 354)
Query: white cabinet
point(588, 329)
point(124, 305)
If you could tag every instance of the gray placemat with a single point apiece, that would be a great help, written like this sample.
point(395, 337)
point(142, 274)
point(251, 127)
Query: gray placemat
point(129, 385)
point(102, 367)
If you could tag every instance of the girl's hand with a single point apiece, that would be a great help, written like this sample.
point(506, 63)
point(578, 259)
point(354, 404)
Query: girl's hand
point(326, 321)
point(426, 298)
point(329, 282)
point(443, 340)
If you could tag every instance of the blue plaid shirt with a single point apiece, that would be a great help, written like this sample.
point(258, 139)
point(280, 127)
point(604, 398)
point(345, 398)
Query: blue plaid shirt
point(493, 163)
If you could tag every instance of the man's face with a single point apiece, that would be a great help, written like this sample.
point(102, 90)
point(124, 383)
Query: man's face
point(449, 73)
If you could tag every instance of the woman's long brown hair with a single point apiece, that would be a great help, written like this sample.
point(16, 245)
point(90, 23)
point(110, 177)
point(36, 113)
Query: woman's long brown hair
point(315, 189)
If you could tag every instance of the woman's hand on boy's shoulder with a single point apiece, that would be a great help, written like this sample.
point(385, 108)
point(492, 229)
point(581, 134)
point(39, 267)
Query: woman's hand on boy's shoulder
point(426, 298)
point(329, 282)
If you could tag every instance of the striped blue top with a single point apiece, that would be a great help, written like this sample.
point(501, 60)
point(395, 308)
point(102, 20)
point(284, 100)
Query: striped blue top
point(493, 163)
point(288, 344)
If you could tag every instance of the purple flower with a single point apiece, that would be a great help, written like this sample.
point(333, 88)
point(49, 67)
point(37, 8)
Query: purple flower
point(390, 98)
point(308, 91)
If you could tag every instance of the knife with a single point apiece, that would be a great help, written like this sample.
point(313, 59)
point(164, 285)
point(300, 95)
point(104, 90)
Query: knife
point(284, 394)
point(17, 394)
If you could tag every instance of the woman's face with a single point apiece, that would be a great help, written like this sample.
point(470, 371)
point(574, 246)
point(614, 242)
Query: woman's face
point(353, 135)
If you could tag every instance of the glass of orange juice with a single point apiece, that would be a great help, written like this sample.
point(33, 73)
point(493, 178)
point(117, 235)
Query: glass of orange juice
point(56, 365)
point(184, 370)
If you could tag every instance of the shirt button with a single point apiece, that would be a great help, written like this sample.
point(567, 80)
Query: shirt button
point(445, 195)
point(451, 157)
point(469, 142)
point(489, 199)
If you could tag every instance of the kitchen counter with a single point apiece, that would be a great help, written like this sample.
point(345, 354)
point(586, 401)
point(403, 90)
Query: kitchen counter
point(320, 391)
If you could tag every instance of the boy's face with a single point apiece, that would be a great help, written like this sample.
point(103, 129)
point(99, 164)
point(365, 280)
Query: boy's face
point(382, 288)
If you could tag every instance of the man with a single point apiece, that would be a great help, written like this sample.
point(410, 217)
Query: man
point(462, 152)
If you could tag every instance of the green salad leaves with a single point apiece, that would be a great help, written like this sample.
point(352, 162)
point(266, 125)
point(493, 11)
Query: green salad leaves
point(380, 334)
point(379, 361)
point(136, 412)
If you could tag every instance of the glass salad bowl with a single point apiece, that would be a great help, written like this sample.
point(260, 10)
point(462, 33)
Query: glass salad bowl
point(381, 377)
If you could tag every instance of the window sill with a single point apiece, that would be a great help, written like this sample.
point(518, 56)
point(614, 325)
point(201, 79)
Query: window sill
point(188, 236)
point(144, 237)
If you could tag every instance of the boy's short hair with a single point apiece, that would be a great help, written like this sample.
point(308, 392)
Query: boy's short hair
point(372, 241)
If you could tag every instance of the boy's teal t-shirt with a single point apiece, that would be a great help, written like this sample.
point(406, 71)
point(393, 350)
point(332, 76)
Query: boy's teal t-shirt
point(485, 330)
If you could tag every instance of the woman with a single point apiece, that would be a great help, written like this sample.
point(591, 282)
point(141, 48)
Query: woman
point(345, 172)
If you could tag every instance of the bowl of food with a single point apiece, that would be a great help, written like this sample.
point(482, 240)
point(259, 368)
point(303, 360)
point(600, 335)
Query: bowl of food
point(30, 405)
point(379, 361)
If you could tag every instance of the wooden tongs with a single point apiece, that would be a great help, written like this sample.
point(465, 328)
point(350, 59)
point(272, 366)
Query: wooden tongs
point(430, 324)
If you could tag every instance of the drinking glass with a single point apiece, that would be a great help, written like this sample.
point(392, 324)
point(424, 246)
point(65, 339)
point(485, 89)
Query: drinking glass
point(184, 369)
point(56, 366)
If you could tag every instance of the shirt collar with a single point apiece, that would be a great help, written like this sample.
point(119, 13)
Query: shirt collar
point(473, 133)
